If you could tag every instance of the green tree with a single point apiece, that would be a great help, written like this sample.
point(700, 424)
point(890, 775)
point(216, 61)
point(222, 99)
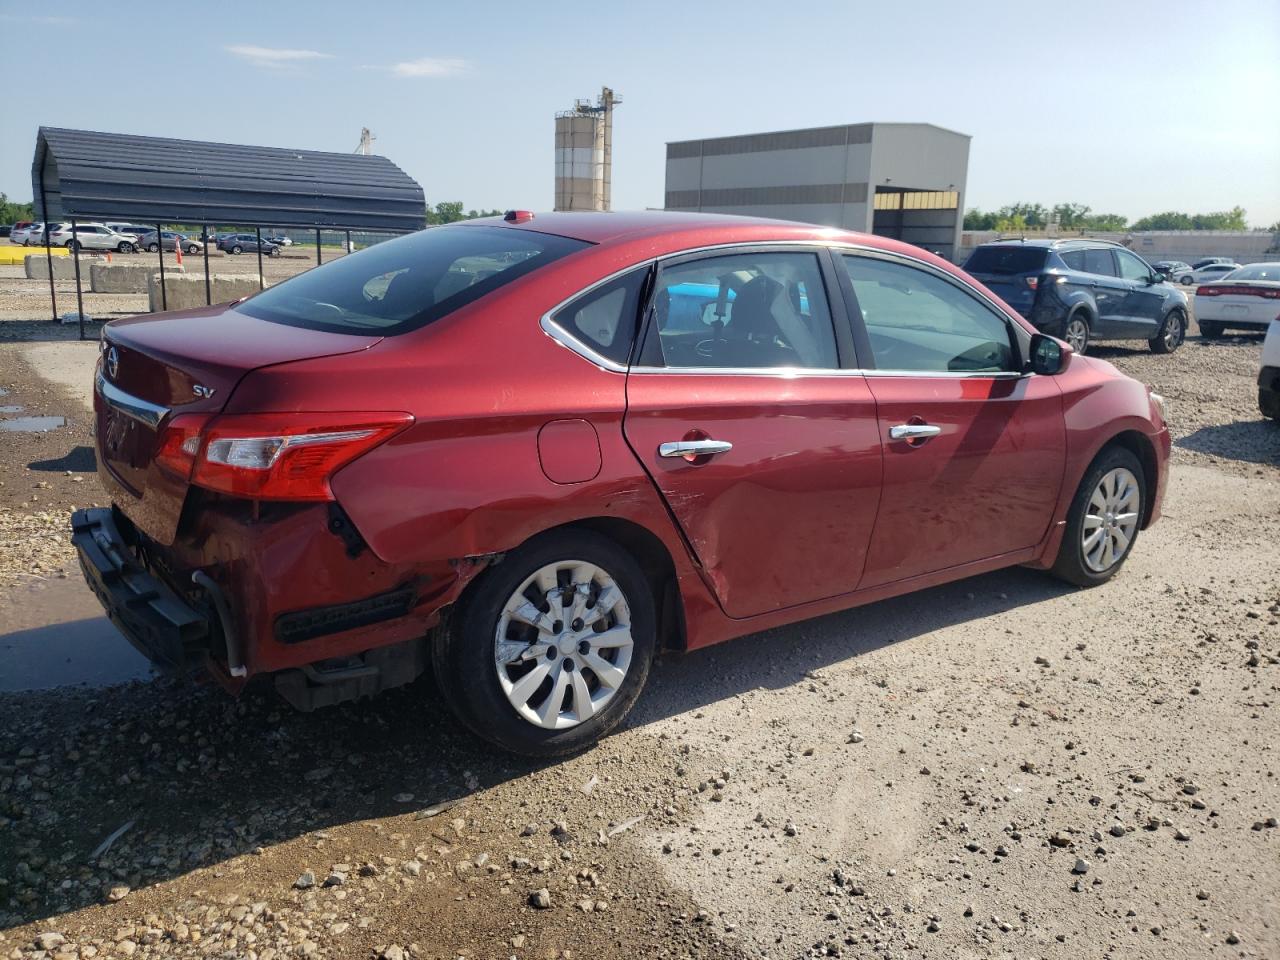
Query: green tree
point(975, 219)
point(1071, 216)
point(1012, 223)
point(1105, 221)
point(451, 211)
point(11, 211)
point(1169, 220)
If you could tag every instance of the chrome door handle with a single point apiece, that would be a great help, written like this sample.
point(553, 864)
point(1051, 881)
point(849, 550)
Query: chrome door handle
point(694, 448)
point(913, 431)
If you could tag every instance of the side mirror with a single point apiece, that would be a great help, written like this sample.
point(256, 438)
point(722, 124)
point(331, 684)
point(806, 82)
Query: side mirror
point(1048, 356)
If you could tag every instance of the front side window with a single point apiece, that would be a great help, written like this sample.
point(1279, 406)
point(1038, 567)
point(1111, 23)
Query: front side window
point(1131, 268)
point(1099, 262)
point(605, 318)
point(744, 310)
point(917, 321)
point(408, 282)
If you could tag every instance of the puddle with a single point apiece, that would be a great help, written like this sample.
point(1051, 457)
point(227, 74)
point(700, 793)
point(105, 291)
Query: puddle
point(53, 634)
point(10, 409)
point(32, 424)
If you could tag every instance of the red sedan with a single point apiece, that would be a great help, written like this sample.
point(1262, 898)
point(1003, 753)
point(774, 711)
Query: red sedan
point(540, 450)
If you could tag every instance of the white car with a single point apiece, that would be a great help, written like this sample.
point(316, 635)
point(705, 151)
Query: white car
point(1246, 298)
point(1211, 271)
point(92, 236)
point(22, 235)
point(1269, 374)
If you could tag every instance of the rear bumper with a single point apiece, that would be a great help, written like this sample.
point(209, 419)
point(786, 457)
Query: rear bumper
point(161, 625)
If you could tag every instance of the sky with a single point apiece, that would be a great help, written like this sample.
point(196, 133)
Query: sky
point(1128, 106)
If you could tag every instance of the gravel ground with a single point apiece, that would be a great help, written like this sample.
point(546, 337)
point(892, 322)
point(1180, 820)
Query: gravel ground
point(999, 767)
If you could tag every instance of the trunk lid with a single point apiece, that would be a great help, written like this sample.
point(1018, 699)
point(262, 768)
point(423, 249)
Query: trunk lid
point(157, 367)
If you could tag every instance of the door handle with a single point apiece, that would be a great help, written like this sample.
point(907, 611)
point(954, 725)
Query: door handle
point(913, 431)
point(694, 448)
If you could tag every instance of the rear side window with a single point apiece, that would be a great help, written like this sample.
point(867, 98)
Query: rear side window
point(1005, 261)
point(1074, 259)
point(1099, 262)
point(408, 282)
point(605, 318)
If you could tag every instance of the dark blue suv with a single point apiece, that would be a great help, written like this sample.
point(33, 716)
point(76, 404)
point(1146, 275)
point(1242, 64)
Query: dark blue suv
point(1083, 290)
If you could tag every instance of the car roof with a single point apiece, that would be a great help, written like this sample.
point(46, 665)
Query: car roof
point(678, 230)
point(1053, 243)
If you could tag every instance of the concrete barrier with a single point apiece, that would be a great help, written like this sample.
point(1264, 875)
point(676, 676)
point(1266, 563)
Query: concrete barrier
point(36, 267)
point(125, 277)
point(183, 293)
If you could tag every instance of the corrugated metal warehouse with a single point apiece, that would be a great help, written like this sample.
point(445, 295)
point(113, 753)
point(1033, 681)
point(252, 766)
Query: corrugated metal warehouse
point(901, 180)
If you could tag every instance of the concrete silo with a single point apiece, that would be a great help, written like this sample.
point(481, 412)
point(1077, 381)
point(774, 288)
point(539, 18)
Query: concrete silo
point(584, 154)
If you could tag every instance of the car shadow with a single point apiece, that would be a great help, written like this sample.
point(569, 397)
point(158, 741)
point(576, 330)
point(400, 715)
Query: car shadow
point(81, 459)
point(203, 778)
point(1249, 441)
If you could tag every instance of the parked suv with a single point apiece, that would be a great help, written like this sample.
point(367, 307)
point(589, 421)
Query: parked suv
point(1083, 290)
point(92, 236)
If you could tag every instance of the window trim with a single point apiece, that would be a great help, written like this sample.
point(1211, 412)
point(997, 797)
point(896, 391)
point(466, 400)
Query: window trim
point(565, 336)
point(839, 302)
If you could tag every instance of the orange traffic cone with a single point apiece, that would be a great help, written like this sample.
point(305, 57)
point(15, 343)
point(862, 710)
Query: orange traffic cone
point(177, 250)
point(108, 256)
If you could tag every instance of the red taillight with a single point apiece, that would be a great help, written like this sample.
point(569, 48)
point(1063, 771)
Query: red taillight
point(1032, 282)
point(1267, 293)
point(276, 456)
point(179, 444)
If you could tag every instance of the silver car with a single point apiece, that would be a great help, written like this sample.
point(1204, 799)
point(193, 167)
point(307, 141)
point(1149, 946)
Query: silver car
point(91, 236)
point(171, 241)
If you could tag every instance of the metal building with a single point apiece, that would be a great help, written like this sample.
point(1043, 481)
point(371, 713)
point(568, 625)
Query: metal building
point(900, 180)
point(584, 154)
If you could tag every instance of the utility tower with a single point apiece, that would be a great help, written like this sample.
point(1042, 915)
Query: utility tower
point(366, 142)
point(584, 154)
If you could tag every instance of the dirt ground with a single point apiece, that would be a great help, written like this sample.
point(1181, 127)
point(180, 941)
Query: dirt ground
point(999, 767)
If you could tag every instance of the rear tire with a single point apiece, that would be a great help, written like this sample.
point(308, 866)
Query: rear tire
point(471, 666)
point(153, 247)
point(237, 249)
point(1076, 332)
point(1187, 280)
point(1103, 497)
point(1172, 332)
point(1210, 329)
point(1269, 403)
point(193, 249)
point(125, 247)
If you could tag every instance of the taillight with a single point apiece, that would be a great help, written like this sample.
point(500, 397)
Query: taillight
point(1206, 291)
point(286, 456)
point(1032, 282)
point(179, 444)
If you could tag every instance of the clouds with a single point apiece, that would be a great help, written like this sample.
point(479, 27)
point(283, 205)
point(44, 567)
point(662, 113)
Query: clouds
point(426, 67)
point(281, 58)
point(275, 58)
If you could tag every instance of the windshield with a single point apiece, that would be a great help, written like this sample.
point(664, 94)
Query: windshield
point(408, 282)
point(1258, 271)
point(1006, 260)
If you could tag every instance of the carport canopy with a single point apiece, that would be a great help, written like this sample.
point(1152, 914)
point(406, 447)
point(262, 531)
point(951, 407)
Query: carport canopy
point(85, 175)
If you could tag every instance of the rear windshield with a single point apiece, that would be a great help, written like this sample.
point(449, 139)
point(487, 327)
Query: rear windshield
point(408, 282)
point(1005, 260)
point(1259, 271)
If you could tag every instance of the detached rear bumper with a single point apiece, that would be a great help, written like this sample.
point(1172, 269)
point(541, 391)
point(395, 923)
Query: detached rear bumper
point(161, 625)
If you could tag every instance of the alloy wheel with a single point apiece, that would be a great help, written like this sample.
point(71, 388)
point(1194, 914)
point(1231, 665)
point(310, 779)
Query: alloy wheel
point(1077, 334)
point(1110, 520)
point(563, 644)
point(1174, 331)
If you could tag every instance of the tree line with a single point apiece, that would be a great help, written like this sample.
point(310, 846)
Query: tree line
point(1078, 216)
point(12, 211)
point(451, 212)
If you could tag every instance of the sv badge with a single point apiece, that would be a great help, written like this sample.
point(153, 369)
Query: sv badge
point(205, 393)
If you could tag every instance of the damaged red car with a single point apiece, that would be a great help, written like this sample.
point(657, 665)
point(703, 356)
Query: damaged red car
point(537, 451)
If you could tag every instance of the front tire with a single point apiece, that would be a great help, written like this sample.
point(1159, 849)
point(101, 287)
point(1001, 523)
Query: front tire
point(1172, 332)
point(550, 648)
point(1210, 329)
point(273, 252)
point(192, 249)
point(237, 249)
point(1103, 522)
point(1187, 280)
